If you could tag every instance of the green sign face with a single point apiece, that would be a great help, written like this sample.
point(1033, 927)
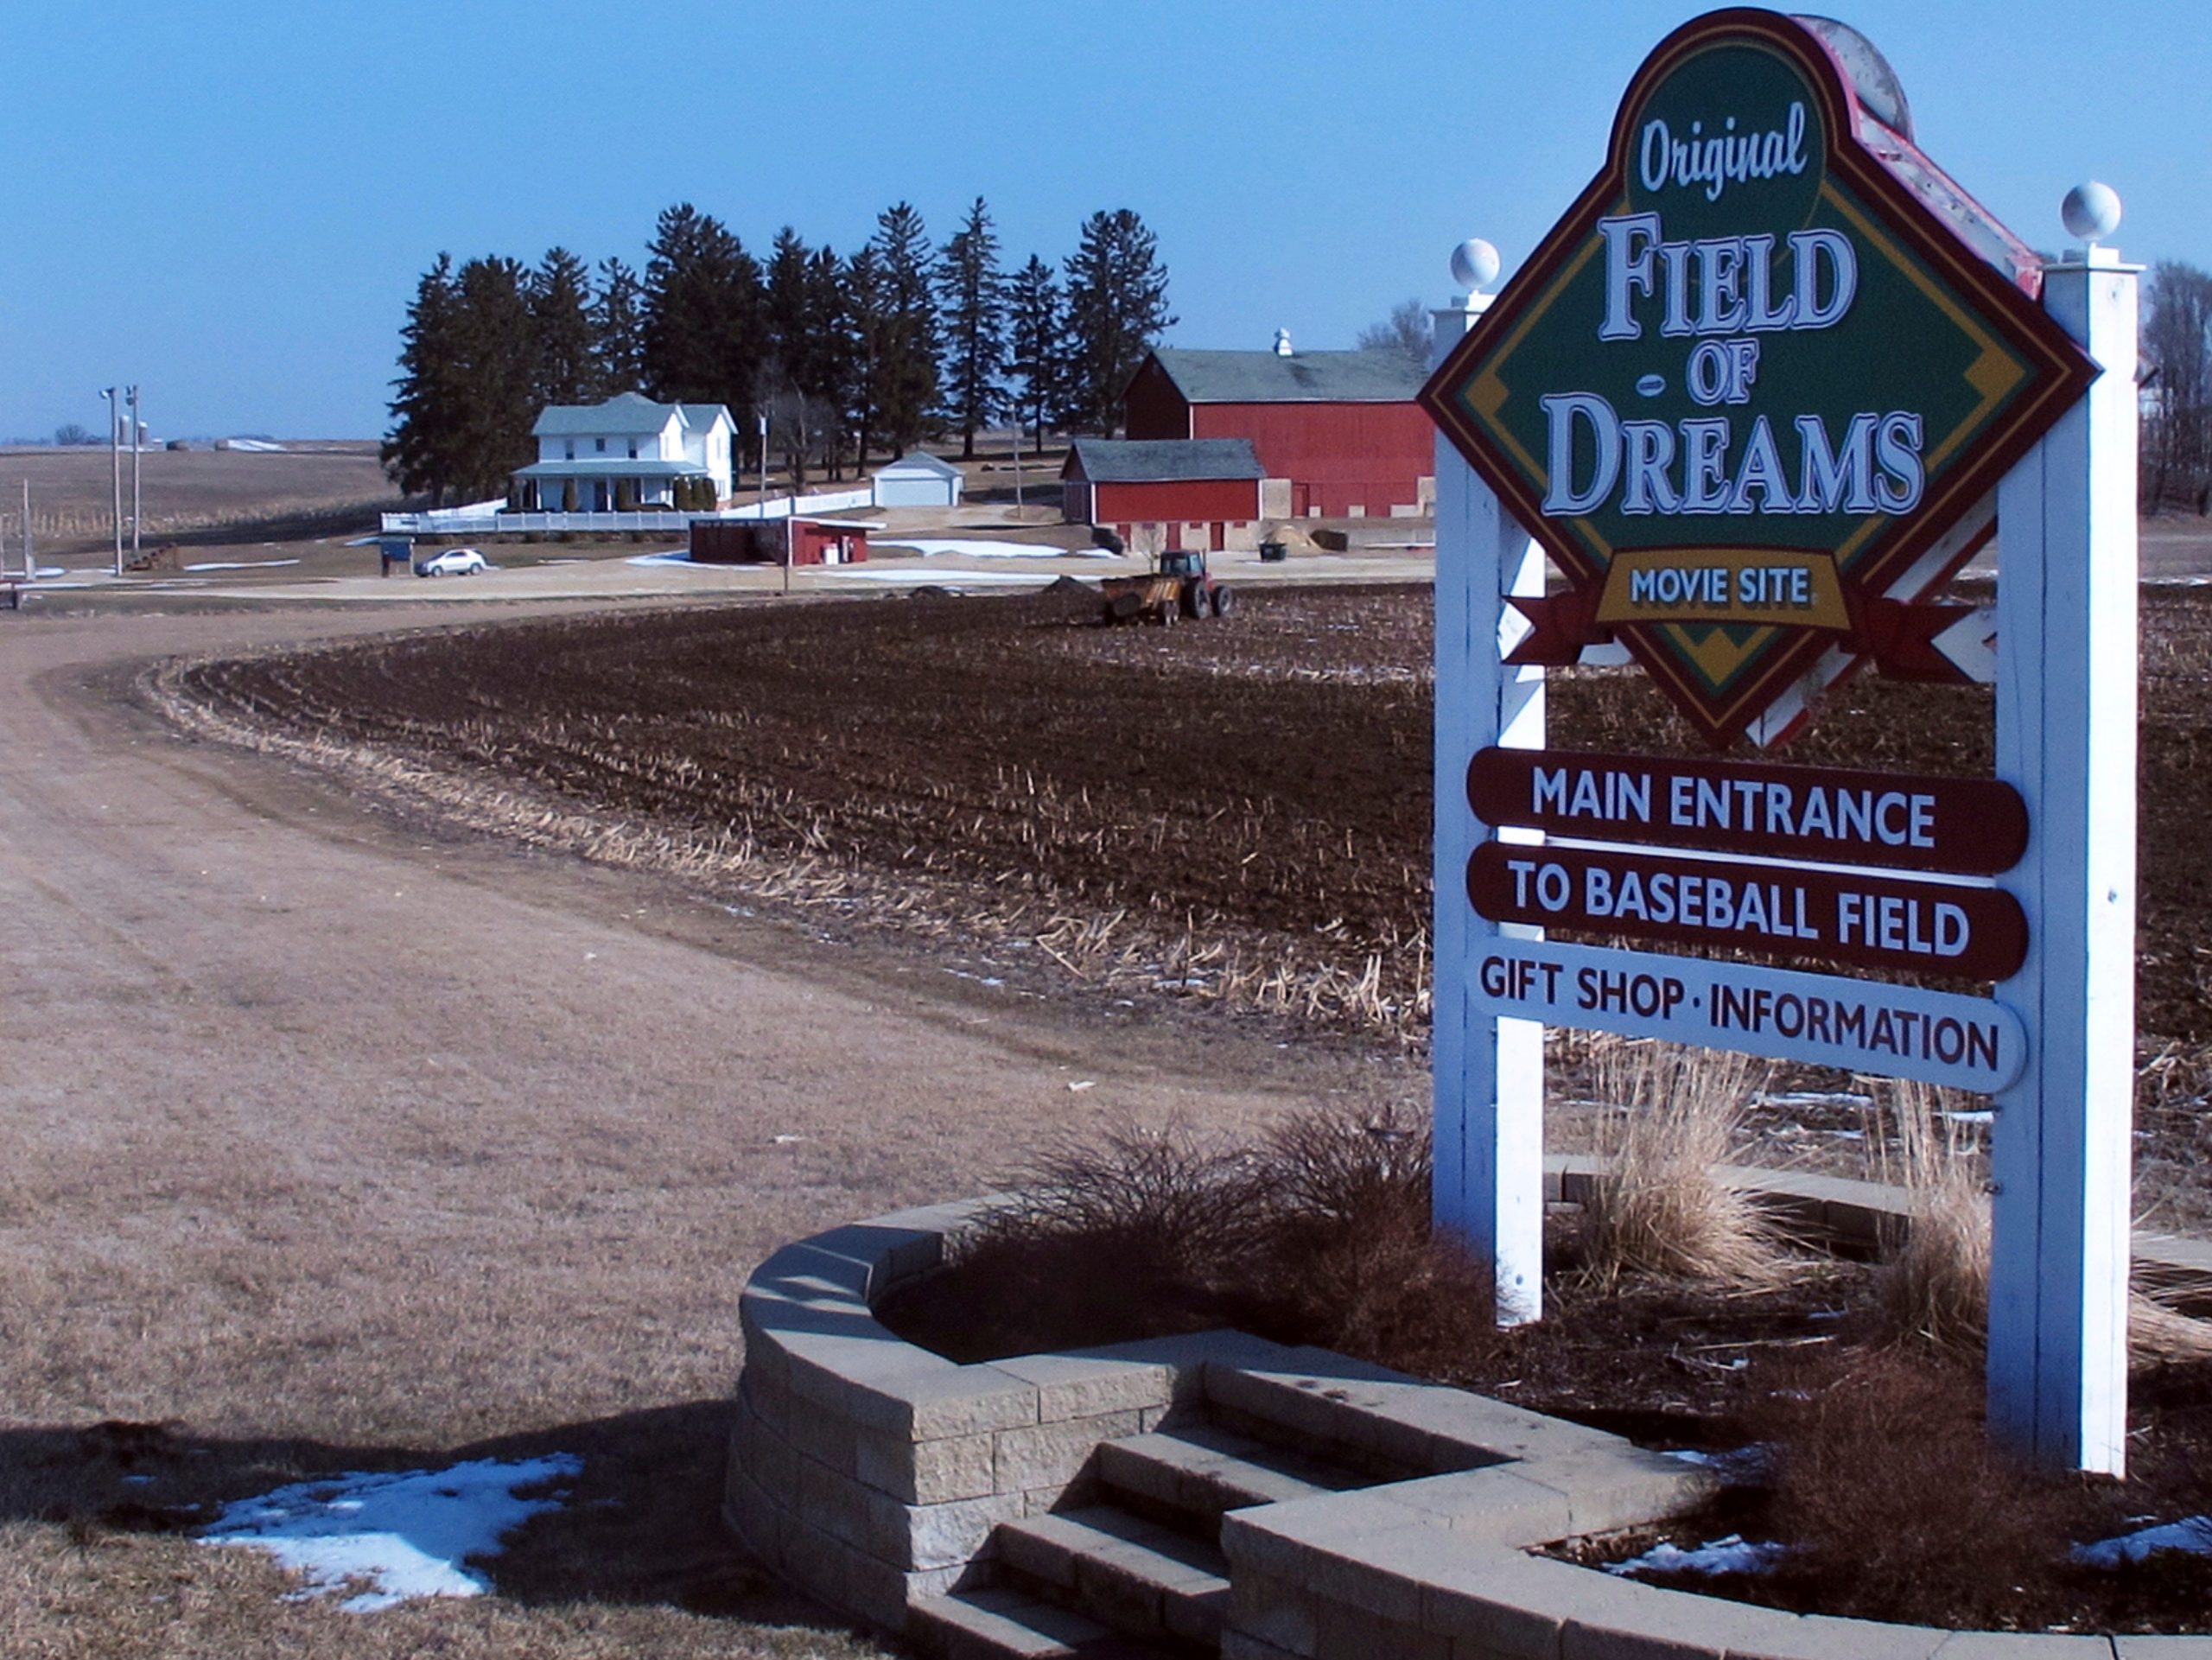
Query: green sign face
point(1749, 379)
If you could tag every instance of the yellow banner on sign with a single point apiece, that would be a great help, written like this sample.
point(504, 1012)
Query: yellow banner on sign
point(1767, 586)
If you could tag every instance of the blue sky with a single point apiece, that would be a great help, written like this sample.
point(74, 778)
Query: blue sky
point(230, 203)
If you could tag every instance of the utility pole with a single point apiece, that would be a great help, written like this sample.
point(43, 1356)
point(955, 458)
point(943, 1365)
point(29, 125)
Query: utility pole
point(115, 467)
point(763, 463)
point(134, 474)
point(1017, 466)
point(30, 558)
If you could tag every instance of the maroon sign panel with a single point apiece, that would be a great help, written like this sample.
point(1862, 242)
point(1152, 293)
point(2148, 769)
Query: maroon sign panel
point(1972, 827)
point(1873, 921)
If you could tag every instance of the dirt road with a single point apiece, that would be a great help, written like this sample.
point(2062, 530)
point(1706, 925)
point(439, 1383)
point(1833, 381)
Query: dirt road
point(331, 1140)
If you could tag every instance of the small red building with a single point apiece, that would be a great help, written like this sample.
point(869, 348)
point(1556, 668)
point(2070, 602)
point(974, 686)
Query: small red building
point(776, 541)
point(1339, 433)
point(1165, 493)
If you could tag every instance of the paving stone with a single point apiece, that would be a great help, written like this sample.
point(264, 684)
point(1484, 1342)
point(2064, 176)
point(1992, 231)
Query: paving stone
point(1200, 1472)
point(998, 1625)
point(1052, 1454)
point(1354, 1634)
point(817, 1434)
point(1620, 1486)
point(1073, 1386)
point(1820, 1636)
point(2023, 1645)
point(1503, 1505)
point(1124, 1571)
point(925, 1472)
point(1279, 1615)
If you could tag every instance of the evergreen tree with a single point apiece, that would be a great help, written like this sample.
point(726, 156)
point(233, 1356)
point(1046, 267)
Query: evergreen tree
point(705, 332)
point(861, 328)
point(1117, 308)
point(560, 312)
point(903, 384)
point(972, 292)
point(617, 321)
point(789, 308)
point(416, 454)
point(495, 368)
point(784, 378)
point(1036, 345)
point(832, 354)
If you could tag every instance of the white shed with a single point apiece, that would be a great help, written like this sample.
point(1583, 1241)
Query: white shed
point(916, 479)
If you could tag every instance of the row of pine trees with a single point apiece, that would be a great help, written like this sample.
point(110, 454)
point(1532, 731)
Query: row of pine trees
point(848, 355)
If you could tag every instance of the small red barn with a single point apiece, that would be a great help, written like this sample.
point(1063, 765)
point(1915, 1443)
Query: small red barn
point(1165, 493)
point(776, 541)
point(1339, 433)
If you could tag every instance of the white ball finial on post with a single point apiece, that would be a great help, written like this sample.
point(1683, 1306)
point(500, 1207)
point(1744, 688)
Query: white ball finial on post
point(2091, 211)
point(1475, 265)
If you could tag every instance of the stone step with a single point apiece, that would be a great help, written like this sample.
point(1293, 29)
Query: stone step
point(1189, 1476)
point(1006, 1624)
point(1139, 1577)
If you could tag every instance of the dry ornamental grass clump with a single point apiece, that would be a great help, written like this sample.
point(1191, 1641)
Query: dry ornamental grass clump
point(1662, 1208)
point(1934, 1284)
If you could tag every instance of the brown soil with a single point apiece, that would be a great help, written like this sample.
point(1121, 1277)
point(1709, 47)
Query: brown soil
point(1240, 811)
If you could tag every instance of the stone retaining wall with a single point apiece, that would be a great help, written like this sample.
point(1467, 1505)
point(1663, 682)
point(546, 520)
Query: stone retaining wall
point(872, 1472)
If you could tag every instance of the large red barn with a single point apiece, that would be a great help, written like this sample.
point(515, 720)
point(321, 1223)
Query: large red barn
point(1337, 433)
point(1174, 493)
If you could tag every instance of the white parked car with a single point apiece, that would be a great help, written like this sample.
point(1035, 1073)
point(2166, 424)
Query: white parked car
point(453, 562)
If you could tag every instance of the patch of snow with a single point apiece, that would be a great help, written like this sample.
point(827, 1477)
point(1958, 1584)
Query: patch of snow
point(980, 979)
point(671, 557)
point(257, 446)
point(240, 564)
point(929, 549)
point(1813, 1099)
point(1973, 1115)
point(1741, 1466)
point(2192, 1534)
point(955, 579)
point(1732, 1555)
point(405, 1535)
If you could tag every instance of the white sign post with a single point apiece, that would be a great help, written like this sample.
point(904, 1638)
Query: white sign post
point(2066, 700)
point(1487, 1186)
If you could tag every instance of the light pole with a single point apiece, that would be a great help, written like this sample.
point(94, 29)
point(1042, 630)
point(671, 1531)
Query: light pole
point(115, 467)
point(763, 463)
point(134, 476)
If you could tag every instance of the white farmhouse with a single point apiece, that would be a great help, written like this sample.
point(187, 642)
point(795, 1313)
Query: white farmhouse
point(598, 448)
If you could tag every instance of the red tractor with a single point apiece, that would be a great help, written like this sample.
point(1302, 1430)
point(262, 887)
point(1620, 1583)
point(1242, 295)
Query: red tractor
point(1180, 586)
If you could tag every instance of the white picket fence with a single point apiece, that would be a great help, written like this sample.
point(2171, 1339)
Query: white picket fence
point(474, 521)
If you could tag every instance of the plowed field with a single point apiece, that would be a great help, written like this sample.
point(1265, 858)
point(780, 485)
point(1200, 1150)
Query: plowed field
point(1243, 806)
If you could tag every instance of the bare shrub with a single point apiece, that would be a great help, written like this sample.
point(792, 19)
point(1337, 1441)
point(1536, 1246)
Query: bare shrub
point(1319, 1234)
point(1891, 1497)
point(1348, 1252)
point(1660, 1207)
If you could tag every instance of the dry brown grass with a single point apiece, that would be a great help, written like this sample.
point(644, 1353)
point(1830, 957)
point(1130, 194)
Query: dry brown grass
point(1675, 1113)
point(1934, 1284)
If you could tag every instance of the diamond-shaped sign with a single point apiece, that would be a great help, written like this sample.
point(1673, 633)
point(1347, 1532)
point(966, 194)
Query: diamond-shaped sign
point(1768, 358)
